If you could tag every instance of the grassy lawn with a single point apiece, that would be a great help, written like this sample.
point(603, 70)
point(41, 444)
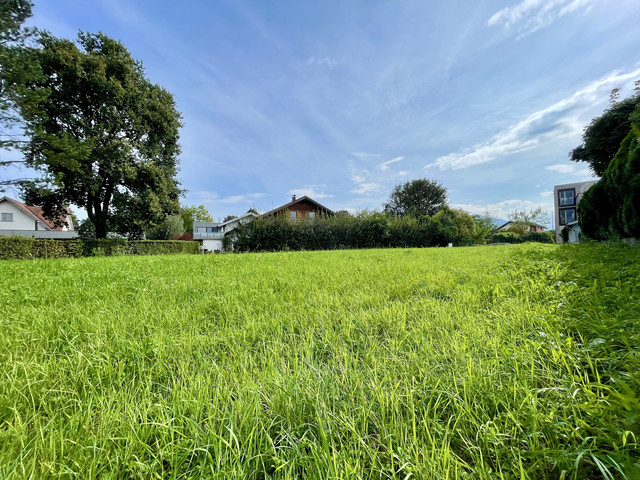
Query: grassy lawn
point(480, 362)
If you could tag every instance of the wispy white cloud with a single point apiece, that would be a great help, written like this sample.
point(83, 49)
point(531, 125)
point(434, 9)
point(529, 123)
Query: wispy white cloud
point(367, 188)
point(529, 16)
point(546, 193)
point(313, 191)
point(504, 208)
point(243, 198)
point(563, 119)
point(326, 61)
point(385, 165)
point(366, 155)
point(568, 169)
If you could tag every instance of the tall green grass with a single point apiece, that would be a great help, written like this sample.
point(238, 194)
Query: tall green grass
point(502, 362)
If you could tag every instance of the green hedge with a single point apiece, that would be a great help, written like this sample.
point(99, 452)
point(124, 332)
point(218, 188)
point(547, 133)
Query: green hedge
point(512, 237)
point(117, 246)
point(20, 248)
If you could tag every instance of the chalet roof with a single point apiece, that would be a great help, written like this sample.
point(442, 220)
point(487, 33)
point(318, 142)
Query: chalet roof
point(287, 206)
point(528, 223)
point(37, 214)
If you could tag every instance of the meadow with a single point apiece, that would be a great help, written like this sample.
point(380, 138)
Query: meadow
point(479, 362)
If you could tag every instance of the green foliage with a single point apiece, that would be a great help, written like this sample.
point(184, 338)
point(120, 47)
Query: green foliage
point(229, 217)
point(611, 208)
point(170, 228)
point(13, 13)
point(365, 230)
point(523, 219)
point(22, 248)
point(194, 214)
point(507, 362)
point(514, 237)
point(602, 137)
point(118, 246)
point(104, 137)
point(417, 198)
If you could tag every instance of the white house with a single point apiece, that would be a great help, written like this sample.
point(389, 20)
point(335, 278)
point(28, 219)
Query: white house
point(211, 235)
point(19, 219)
point(565, 200)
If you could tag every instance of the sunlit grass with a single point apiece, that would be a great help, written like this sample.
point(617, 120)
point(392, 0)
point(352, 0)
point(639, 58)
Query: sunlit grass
point(487, 362)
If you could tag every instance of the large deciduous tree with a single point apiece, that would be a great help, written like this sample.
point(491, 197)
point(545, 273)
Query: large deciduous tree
point(612, 206)
point(194, 214)
point(603, 136)
point(421, 197)
point(103, 135)
point(13, 14)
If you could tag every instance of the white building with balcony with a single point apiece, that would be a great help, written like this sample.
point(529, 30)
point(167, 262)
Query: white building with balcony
point(211, 234)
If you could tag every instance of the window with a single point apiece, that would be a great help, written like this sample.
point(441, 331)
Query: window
point(6, 217)
point(293, 214)
point(312, 215)
point(567, 197)
point(567, 215)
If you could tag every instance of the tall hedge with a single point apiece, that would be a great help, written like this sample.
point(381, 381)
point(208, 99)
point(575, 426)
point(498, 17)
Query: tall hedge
point(366, 230)
point(611, 208)
point(21, 248)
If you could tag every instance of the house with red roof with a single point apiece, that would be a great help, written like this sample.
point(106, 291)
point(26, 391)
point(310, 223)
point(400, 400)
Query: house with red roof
point(22, 220)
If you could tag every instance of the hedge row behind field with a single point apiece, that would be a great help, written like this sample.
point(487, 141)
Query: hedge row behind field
point(512, 237)
point(23, 248)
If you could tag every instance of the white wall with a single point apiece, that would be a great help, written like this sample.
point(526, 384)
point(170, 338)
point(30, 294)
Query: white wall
point(581, 188)
point(21, 221)
point(212, 245)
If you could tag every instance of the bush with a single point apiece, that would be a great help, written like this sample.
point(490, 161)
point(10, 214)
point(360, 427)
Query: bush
point(513, 237)
point(21, 248)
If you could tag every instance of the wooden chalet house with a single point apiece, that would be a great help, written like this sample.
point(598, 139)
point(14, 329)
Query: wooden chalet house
point(299, 208)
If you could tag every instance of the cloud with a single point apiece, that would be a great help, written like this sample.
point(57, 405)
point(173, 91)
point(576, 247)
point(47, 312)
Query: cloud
point(568, 169)
point(563, 119)
point(529, 16)
point(547, 193)
point(504, 208)
point(367, 188)
point(244, 198)
point(312, 191)
point(385, 165)
point(326, 61)
point(366, 155)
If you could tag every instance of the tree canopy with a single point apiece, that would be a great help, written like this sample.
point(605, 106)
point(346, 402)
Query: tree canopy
point(104, 137)
point(603, 136)
point(523, 219)
point(194, 214)
point(612, 206)
point(13, 14)
point(421, 197)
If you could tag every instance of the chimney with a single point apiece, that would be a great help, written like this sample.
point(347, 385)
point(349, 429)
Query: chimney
point(293, 198)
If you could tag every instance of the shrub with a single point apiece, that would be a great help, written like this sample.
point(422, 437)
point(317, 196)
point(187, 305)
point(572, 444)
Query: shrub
point(20, 248)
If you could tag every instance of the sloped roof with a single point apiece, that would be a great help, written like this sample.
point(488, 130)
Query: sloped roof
point(37, 214)
point(293, 202)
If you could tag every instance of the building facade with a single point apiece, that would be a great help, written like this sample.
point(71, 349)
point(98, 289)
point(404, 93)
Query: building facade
point(21, 220)
point(565, 200)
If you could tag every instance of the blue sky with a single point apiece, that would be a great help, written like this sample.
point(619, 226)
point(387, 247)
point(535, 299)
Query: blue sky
point(342, 100)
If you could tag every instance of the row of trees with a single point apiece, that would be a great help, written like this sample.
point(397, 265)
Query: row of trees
point(415, 215)
point(84, 115)
point(611, 146)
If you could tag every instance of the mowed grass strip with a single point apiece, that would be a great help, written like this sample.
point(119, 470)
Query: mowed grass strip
point(501, 362)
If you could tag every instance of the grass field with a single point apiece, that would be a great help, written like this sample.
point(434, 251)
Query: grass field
point(479, 362)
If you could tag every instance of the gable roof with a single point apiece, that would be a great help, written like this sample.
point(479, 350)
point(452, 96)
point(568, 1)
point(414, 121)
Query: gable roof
point(37, 214)
point(236, 219)
point(531, 224)
point(287, 206)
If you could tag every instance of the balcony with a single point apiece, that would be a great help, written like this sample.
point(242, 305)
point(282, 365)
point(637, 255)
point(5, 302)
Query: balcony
point(208, 235)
